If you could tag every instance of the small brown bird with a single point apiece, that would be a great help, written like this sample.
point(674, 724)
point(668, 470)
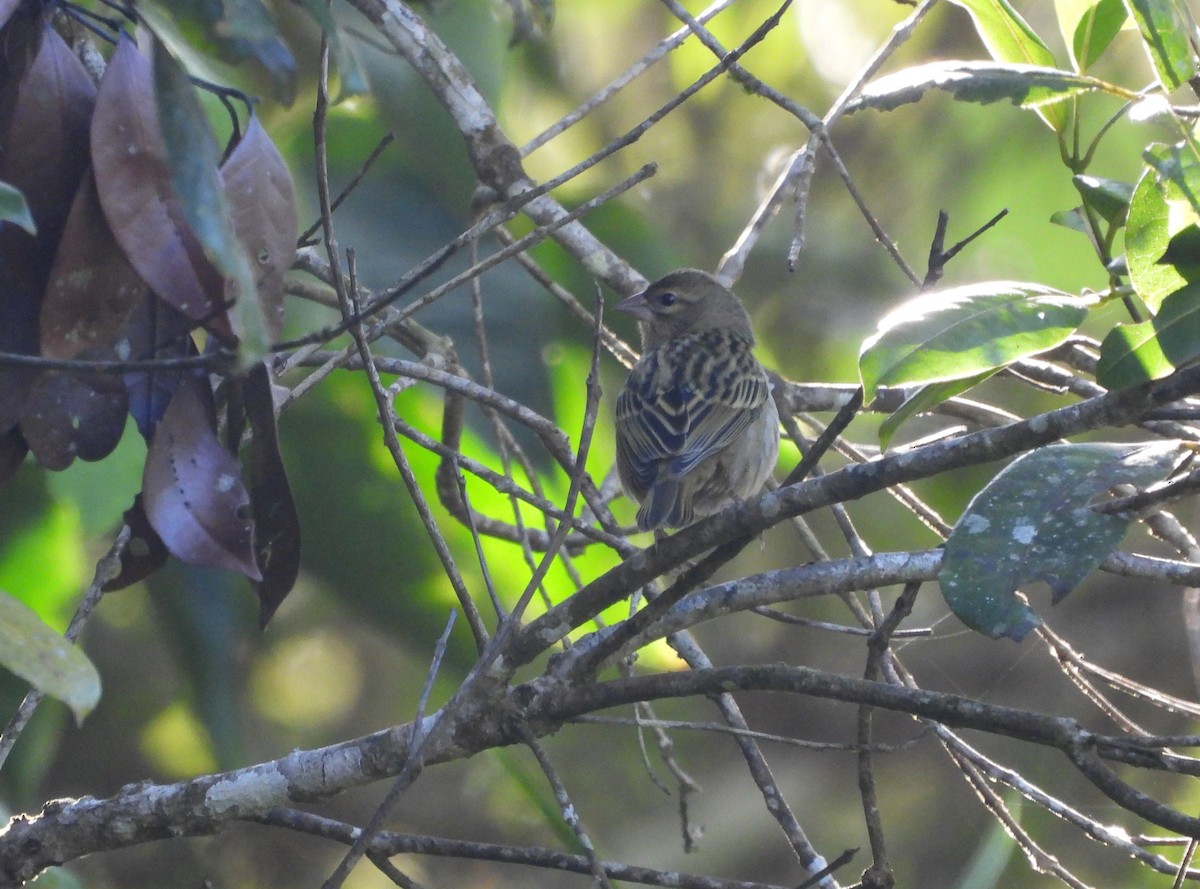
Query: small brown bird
point(697, 427)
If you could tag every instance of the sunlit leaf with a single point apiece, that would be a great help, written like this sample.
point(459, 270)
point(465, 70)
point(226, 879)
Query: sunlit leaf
point(1034, 522)
point(262, 206)
point(276, 522)
point(1009, 38)
point(1165, 37)
point(924, 399)
point(45, 659)
point(1158, 210)
point(134, 182)
point(1029, 86)
point(1072, 219)
point(1088, 27)
point(191, 488)
point(192, 157)
point(1137, 353)
point(14, 209)
point(964, 331)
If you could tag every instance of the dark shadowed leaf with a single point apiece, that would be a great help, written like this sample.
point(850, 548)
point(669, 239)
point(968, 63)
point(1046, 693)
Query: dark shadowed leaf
point(14, 209)
point(192, 157)
point(262, 203)
point(924, 399)
point(276, 522)
point(191, 488)
point(1137, 353)
point(12, 451)
point(1165, 38)
point(965, 331)
point(1029, 86)
point(144, 554)
point(1034, 522)
point(7, 8)
point(93, 291)
point(46, 102)
point(46, 660)
point(134, 182)
point(1108, 197)
point(155, 331)
point(74, 415)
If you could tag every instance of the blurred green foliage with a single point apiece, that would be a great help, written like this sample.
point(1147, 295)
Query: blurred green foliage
point(190, 685)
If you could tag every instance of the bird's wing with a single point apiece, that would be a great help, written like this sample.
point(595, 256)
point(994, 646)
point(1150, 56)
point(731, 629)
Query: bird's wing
point(685, 401)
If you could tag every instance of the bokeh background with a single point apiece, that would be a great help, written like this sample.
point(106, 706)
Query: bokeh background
point(191, 685)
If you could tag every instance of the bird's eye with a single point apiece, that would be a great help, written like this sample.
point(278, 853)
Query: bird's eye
point(668, 299)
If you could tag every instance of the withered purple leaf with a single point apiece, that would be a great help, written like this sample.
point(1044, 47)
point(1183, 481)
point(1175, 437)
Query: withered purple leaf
point(191, 489)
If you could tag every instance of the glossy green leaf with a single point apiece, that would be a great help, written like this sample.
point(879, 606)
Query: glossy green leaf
point(1034, 522)
point(1165, 28)
point(193, 157)
point(1108, 197)
point(1029, 86)
point(45, 659)
point(959, 333)
point(924, 399)
point(14, 209)
point(1088, 27)
point(1009, 38)
point(1158, 210)
point(1137, 353)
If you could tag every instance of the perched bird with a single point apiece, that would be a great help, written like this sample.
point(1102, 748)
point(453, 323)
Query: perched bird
point(697, 427)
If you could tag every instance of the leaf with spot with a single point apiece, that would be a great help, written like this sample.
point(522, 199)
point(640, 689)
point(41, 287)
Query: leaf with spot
point(46, 660)
point(134, 182)
point(191, 488)
point(69, 415)
point(276, 521)
point(262, 206)
point(192, 157)
point(46, 102)
point(962, 332)
point(1034, 522)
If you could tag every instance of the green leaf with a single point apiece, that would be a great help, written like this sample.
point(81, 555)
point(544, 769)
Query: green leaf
point(1108, 197)
point(1029, 86)
point(1009, 38)
point(45, 659)
point(1088, 27)
point(1165, 30)
point(193, 157)
point(959, 333)
point(14, 209)
point(1138, 353)
point(922, 400)
point(352, 78)
point(1072, 219)
point(1158, 210)
point(1034, 522)
point(240, 30)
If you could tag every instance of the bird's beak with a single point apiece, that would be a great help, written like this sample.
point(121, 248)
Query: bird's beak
point(636, 306)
